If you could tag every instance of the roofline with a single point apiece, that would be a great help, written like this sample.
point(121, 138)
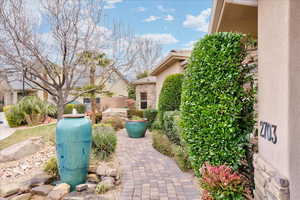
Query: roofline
point(218, 8)
point(164, 64)
point(120, 75)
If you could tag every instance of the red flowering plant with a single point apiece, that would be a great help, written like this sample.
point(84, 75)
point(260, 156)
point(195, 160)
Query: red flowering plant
point(222, 183)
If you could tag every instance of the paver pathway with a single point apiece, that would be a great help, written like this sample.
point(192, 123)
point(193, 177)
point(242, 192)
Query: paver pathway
point(147, 174)
point(5, 130)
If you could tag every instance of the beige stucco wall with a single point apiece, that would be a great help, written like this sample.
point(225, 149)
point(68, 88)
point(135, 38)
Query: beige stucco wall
point(150, 89)
point(175, 68)
point(279, 86)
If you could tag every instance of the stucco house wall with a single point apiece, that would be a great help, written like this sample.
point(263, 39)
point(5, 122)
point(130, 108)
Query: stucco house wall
point(150, 89)
point(160, 78)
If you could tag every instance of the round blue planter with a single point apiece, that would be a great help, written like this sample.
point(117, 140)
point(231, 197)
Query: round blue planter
point(73, 146)
point(136, 128)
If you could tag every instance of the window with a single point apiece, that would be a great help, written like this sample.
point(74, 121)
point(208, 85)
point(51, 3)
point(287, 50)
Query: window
point(97, 100)
point(143, 100)
point(86, 100)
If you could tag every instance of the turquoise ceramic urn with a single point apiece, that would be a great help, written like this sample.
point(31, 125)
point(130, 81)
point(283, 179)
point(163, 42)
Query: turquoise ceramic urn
point(73, 146)
point(136, 128)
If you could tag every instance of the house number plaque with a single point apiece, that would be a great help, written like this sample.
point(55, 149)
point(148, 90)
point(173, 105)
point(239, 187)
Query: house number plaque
point(268, 131)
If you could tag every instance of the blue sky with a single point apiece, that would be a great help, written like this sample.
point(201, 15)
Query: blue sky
point(175, 23)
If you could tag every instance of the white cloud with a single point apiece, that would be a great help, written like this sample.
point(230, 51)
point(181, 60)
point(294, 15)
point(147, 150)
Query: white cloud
point(163, 9)
point(162, 38)
point(111, 3)
point(200, 22)
point(141, 9)
point(151, 18)
point(190, 44)
point(169, 18)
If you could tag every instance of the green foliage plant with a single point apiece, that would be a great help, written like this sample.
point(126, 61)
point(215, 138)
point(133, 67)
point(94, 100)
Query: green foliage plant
point(101, 188)
point(150, 115)
point(51, 167)
point(171, 126)
point(170, 95)
point(104, 142)
point(217, 114)
point(134, 112)
point(79, 107)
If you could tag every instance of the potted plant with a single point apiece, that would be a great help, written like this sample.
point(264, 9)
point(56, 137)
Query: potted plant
point(136, 127)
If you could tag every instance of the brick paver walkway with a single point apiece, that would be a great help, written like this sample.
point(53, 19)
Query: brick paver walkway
point(147, 174)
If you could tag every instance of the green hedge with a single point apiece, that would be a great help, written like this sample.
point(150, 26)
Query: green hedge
point(170, 95)
point(79, 107)
point(217, 112)
point(171, 126)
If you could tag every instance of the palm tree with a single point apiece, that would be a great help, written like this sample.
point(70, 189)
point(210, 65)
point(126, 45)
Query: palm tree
point(93, 59)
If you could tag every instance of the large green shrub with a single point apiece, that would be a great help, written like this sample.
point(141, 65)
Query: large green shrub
point(104, 142)
point(170, 95)
point(29, 110)
point(171, 126)
point(150, 115)
point(216, 111)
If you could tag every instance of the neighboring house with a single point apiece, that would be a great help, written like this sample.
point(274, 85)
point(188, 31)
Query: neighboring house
point(11, 89)
point(275, 23)
point(145, 90)
point(172, 64)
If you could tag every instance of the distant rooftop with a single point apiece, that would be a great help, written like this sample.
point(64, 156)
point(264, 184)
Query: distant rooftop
point(146, 80)
point(173, 56)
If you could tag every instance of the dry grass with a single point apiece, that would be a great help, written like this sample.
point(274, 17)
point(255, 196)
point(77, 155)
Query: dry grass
point(47, 132)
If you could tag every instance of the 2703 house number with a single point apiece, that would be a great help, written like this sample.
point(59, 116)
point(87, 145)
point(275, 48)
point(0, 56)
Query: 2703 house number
point(268, 131)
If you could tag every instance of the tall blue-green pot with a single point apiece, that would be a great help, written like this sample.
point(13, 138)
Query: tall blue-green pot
point(73, 146)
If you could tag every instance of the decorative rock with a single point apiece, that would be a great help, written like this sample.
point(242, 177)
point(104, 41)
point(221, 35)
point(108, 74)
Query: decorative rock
point(42, 190)
point(81, 187)
point(92, 168)
point(25, 196)
point(9, 189)
point(39, 179)
point(108, 178)
point(80, 196)
point(104, 170)
point(112, 172)
point(91, 187)
point(21, 149)
point(93, 178)
point(59, 191)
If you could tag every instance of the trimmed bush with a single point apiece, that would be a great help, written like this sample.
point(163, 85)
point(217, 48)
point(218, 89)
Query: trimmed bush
point(79, 107)
point(170, 95)
point(156, 125)
point(171, 127)
point(14, 116)
point(116, 122)
point(216, 111)
point(104, 142)
point(150, 115)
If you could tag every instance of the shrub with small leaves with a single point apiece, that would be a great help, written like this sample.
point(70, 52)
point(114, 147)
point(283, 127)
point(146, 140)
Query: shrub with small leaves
point(104, 142)
point(171, 127)
point(217, 113)
point(150, 115)
point(134, 112)
point(51, 167)
point(222, 183)
point(101, 188)
point(182, 158)
point(162, 144)
point(80, 108)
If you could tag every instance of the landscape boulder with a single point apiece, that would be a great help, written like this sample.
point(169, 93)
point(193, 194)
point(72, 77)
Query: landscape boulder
point(21, 149)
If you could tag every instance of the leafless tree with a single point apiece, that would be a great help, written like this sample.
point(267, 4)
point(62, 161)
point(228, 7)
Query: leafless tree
point(149, 54)
point(50, 59)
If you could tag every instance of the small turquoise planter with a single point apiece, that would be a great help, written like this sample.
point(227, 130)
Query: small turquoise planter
point(136, 128)
point(73, 146)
